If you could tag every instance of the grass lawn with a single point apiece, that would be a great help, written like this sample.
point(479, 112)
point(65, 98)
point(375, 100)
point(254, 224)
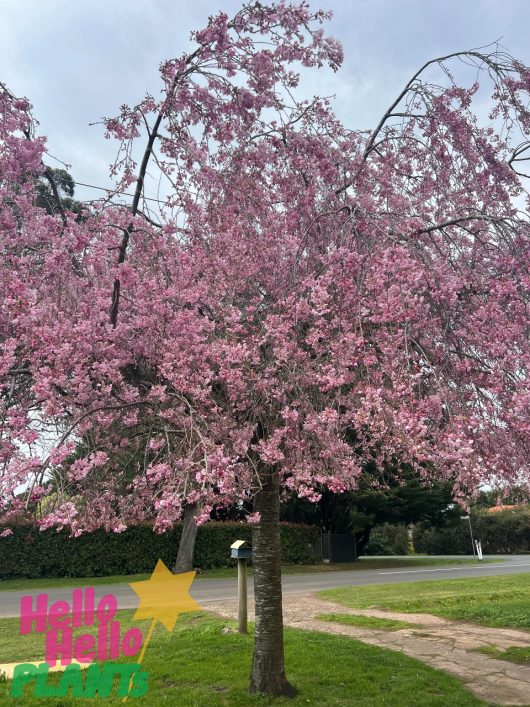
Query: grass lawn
point(366, 621)
point(502, 601)
point(197, 665)
point(365, 563)
point(515, 654)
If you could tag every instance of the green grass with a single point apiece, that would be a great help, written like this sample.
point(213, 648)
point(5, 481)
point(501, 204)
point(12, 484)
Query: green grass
point(371, 563)
point(366, 622)
point(23, 584)
point(515, 654)
point(196, 665)
point(501, 601)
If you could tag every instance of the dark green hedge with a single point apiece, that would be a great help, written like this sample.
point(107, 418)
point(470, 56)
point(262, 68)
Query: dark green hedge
point(32, 553)
point(387, 539)
point(502, 532)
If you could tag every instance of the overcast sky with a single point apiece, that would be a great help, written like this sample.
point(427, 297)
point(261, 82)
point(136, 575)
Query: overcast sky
point(77, 60)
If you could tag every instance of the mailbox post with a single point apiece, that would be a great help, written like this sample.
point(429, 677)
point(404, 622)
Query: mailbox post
point(242, 552)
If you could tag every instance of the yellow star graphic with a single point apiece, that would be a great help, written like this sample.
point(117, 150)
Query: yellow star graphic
point(164, 596)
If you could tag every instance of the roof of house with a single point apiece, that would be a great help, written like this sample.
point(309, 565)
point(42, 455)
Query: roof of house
point(497, 509)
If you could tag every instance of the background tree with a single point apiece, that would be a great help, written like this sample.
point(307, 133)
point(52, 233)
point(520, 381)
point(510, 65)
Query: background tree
point(518, 495)
point(305, 282)
point(55, 191)
point(404, 498)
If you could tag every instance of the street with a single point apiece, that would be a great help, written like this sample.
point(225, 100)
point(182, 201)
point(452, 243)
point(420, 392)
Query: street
point(215, 590)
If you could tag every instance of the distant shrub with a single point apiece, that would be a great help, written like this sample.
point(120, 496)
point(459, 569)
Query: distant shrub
point(387, 539)
point(504, 532)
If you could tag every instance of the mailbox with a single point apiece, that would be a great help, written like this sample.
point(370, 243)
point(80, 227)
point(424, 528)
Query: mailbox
point(241, 550)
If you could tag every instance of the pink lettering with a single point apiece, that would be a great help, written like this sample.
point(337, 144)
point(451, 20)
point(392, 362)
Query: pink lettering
point(59, 614)
point(84, 648)
point(102, 641)
point(28, 616)
point(90, 594)
point(132, 642)
point(56, 648)
point(77, 608)
point(107, 608)
point(114, 640)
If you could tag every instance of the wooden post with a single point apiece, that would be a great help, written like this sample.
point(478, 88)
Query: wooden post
point(242, 595)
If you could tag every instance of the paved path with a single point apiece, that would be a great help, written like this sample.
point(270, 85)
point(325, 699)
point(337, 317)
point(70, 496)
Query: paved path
point(446, 645)
point(205, 591)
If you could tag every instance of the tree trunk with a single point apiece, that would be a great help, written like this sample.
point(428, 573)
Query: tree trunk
point(186, 549)
point(361, 540)
point(268, 667)
point(410, 539)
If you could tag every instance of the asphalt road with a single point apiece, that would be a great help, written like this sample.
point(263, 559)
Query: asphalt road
point(214, 590)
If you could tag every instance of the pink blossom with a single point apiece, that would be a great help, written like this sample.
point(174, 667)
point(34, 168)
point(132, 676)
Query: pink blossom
point(311, 300)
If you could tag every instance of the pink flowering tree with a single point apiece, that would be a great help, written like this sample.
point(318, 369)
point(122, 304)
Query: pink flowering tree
point(305, 300)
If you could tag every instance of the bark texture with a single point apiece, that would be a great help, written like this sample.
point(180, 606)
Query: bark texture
point(186, 549)
point(361, 540)
point(268, 667)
